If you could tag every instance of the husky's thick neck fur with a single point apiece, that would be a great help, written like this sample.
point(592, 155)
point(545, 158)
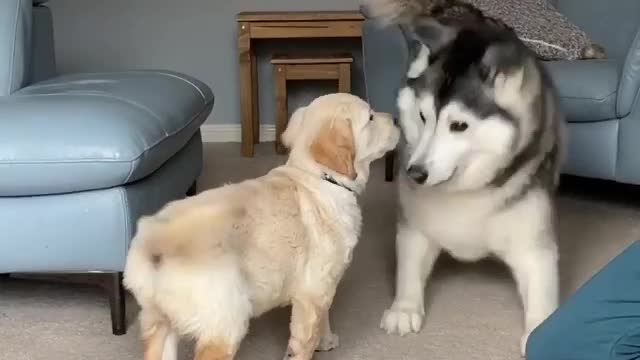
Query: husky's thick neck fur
point(477, 108)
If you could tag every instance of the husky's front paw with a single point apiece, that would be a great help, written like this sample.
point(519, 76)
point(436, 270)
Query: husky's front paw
point(523, 343)
point(402, 319)
point(328, 343)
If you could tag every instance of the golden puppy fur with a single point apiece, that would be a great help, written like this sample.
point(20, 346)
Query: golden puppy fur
point(204, 266)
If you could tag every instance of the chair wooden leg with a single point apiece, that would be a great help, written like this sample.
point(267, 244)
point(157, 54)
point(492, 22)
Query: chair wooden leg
point(193, 189)
point(112, 283)
point(389, 159)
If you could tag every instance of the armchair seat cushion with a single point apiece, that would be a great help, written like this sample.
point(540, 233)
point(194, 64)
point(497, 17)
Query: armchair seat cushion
point(587, 88)
point(94, 131)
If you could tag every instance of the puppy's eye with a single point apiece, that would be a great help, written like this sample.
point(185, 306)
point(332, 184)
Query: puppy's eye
point(458, 126)
point(422, 117)
point(371, 117)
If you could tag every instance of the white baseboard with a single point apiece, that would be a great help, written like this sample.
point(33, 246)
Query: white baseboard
point(221, 133)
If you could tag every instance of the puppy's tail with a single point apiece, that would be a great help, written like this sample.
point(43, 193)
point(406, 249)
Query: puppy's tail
point(196, 236)
point(185, 266)
point(200, 232)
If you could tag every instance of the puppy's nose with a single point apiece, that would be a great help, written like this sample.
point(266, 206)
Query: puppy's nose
point(418, 173)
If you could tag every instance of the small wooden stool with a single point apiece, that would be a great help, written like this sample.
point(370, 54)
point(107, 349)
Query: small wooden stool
point(288, 67)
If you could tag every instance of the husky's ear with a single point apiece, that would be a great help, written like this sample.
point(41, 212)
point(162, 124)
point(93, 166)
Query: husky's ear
point(504, 68)
point(294, 126)
point(500, 58)
point(417, 53)
point(423, 39)
point(431, 34)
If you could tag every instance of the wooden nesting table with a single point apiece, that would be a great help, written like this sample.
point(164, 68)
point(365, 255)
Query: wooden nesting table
point(287, 67)
point(280, 25)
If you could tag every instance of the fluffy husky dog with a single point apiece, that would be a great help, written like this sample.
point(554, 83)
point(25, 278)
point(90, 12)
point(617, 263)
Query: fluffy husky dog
point(483, 150)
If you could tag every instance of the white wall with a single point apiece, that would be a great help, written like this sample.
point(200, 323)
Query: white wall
point(197, 37)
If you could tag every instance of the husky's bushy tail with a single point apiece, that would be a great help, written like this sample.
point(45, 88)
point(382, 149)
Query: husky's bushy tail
point(398, 11)
point(449, 13)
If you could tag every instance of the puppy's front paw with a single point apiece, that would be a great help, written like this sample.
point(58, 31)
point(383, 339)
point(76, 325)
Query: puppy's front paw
point(402, 319)
point(328, 343)
point(289, 355)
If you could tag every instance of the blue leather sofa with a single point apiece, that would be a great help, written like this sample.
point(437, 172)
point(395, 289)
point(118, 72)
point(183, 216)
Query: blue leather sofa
point(600, 98)
point(83, 156)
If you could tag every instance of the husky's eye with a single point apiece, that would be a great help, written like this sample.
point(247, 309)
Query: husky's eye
point(371, 117)
point(422, 117)
point(458, 126)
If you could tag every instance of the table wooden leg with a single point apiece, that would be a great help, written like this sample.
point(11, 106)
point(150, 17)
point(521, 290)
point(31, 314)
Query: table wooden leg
point(246, 88)
point(282, 113)
point(389, 165)
point(344, 78)
point(255, 97)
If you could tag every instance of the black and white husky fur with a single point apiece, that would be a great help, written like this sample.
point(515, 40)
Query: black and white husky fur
point(482, 154)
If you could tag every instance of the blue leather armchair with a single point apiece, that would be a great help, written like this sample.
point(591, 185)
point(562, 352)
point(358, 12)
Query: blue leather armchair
point(83, 156)
point(600, 98)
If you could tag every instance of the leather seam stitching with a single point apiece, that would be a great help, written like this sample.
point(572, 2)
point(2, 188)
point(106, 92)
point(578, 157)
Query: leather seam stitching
point(193, 118)
point(125, 218)
point(162, 140)
point(186, 81)
point(13, 50)
point(606, 97)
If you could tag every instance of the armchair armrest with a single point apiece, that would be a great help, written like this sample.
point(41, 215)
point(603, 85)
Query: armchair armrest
point(384, 57)
point(15, 44)
point(629, 88)
point(43, 58)
point(616, 26)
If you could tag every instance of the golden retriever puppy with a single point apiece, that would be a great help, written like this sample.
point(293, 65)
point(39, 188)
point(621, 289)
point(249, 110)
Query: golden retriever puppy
point(204, 266)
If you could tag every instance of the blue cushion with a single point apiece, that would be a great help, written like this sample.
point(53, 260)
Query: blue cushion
point(587, 88)
point(94, 131)
point(89, 230)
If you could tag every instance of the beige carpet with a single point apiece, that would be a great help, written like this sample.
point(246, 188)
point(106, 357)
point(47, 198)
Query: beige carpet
point(473, 310)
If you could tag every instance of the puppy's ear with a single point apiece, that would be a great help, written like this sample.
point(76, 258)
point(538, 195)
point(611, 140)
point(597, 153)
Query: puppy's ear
point(293, 127)
point(334, 147)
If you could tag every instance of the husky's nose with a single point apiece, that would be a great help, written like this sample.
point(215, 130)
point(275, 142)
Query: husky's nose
point(418, 173)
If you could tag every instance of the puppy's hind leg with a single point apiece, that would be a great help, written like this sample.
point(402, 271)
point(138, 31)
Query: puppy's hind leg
point(415, 258)
point(215, 349)
point(307, 318)
point(328, 340)
point(160, 342)
point(218, 338)
point(221, 316)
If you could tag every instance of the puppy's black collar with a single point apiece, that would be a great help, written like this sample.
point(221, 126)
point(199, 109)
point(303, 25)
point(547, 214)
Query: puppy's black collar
point(329, 178)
